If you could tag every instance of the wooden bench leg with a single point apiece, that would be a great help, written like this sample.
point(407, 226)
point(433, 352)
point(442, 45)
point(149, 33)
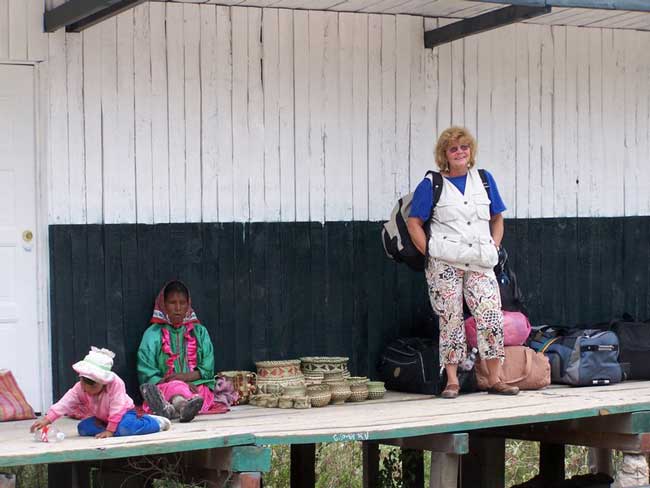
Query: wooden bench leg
point(246, 480)
point(370, 453)
point(303, 465)
point(484, 465)
point(551, 462)
point(444, 470)
point(600, 460)
point(412, 468)
point(73, 475)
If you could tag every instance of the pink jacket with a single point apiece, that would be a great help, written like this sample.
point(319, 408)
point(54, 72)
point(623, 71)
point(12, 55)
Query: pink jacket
point(109, 406)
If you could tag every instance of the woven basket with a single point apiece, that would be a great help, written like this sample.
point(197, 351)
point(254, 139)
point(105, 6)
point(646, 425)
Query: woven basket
point(376, 395)
point(359, 392)
point(340, 392)
point(319, 395)
point(316, 366)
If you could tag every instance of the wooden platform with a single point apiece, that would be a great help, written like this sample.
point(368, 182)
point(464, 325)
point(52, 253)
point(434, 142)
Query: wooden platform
point(396, 416)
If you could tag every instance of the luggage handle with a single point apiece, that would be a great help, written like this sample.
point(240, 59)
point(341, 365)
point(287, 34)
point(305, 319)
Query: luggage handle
point(548, 343)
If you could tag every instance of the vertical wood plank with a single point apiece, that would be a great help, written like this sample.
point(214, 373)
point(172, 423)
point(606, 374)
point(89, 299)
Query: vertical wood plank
point(406, 52)
point(551, 463)
point(225, 136)
point(389, 168)
point(255, 107)
point(534, 173)
point(143, 115)
point(124, 195)
point(4, 29)
point(360, 123)
point(75, 121)
point(520, 208)
point(346, 116)
point(337, 191)
point(630, 156)
point(192, 94)
point(316, 188)
point(59, 203)
point(485, 94)
point(241, 175)
point(302, 59)
point(571, 114)
point(370, 454)
point(583, 147)
point(287, 163)
point(459, 81)
point(92, 124)
point(600, 200)
point(18, 29)
point(472, 82)
point(159, 113)
point(444, 81)
point(563, 171)
point(111, 175)
point(175, 29)
point(503, 160)
point(37, 39)
point(376, 164)
point(271, 91)
point(547, 91)
point(209, 114)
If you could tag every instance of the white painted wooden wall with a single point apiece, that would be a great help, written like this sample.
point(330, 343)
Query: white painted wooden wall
point(21, 31)
point(183, 112)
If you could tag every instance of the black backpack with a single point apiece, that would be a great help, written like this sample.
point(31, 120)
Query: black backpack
point(634, 345)
point(412, 365)
point(395, 236)
point(511, 297)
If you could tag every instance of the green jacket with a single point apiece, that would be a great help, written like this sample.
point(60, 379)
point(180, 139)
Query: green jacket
point(152, 365)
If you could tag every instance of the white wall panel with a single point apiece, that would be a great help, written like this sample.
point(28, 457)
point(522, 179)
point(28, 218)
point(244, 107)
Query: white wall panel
point(174, 112)
point(21, 31)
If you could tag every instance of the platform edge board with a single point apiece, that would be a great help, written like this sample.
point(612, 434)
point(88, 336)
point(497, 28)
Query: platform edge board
point(378, 435)
point(109, 452)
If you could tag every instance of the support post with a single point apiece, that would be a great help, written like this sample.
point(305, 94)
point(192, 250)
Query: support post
point(303, 465)
point(370, 453)
point(551, 462)
point(412, 468)
point(484, 466)
point(444, 470)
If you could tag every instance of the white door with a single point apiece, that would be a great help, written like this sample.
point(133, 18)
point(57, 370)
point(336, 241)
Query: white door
point(19, 336)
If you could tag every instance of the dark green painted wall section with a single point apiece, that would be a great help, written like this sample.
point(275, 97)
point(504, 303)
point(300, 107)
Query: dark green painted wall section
point(283, 290)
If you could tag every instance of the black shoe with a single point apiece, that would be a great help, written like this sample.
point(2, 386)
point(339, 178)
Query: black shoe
point(156, 402)
point(190, 409)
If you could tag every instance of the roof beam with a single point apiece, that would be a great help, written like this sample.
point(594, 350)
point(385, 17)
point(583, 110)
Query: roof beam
point(481, 23)
point(76, 15)
point(633, 5)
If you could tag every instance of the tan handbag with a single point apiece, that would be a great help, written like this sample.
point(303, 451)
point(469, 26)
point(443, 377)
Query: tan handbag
point(523, 367)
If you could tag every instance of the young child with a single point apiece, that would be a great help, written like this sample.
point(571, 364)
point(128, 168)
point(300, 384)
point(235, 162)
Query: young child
point(100, 398)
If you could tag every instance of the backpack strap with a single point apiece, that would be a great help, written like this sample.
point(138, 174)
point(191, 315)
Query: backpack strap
point(484, 179)
point(436, 188)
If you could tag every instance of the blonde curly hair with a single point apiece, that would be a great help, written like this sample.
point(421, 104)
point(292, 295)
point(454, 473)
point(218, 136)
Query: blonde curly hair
point(450, 136)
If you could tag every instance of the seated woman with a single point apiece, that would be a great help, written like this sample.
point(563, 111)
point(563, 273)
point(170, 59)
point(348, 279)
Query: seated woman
point(176, 360)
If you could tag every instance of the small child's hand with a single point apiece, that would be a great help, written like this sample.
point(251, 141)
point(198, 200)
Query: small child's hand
point(39, 424)
point(104, 435)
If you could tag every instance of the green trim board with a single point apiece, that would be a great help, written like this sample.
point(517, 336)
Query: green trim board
point(125, 451)
point(250, 458)
point(279, 439)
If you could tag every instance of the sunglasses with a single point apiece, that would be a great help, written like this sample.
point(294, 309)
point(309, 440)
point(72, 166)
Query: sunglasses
point(462, 147)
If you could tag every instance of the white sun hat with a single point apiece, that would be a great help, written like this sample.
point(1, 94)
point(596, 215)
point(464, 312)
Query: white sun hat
point(96, 365)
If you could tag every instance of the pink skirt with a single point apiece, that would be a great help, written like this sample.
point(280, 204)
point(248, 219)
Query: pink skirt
point(177, 387)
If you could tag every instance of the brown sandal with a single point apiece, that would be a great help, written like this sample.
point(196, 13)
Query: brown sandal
point(451, 391)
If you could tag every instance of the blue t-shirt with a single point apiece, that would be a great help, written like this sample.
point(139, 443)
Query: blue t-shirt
point(423, 196)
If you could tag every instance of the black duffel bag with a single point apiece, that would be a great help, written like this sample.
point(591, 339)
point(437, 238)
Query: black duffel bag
point(634, 345)
point(411, 365)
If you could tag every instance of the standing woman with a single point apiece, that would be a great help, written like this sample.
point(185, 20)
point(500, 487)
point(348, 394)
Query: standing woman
point(465, 233)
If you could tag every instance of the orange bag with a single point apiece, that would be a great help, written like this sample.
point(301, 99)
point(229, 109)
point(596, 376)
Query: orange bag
point(523, 367)
point(13, 405)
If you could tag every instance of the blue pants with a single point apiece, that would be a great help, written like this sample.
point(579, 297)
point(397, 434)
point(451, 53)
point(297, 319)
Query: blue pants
point(130, 424)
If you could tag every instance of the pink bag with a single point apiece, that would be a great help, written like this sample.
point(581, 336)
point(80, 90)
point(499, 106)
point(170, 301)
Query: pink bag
point(516, 329)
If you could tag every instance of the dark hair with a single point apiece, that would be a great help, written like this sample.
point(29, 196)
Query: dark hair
point(87, 380)
point(176, 287)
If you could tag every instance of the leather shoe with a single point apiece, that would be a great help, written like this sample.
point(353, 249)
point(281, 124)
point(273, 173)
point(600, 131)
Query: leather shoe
point(502, 388)
point(451, 391)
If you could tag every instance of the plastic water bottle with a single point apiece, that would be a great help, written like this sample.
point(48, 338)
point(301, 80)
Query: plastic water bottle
point(49, 433)
point(469, 361)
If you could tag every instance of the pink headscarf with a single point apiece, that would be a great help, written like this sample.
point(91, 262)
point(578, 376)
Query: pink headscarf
point(160, 316)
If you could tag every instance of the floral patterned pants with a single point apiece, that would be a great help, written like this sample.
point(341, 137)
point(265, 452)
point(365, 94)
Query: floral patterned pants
point(447, 286)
